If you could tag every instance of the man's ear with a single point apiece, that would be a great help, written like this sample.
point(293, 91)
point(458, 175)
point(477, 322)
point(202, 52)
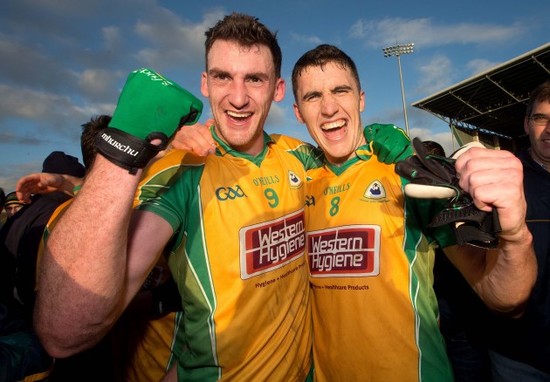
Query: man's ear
point(297, 113)
point(204, 84)
point(280, 88)
point(526, 125)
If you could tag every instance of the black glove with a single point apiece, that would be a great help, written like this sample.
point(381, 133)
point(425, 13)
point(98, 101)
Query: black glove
point(150, 107)
point(166, 298)
point(434, 176)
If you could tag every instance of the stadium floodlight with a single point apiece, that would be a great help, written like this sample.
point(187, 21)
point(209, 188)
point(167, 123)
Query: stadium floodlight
point(397, 51)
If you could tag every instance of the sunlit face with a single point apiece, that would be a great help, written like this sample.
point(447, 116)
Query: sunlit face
point(539, 134)
point(329, 102)
point(241, 83)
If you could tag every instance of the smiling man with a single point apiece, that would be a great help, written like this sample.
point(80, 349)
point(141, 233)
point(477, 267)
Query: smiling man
point(231, 223)
point(370, 253)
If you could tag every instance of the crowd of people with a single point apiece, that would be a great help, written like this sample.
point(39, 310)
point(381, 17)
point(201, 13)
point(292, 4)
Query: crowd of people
point(195, 251)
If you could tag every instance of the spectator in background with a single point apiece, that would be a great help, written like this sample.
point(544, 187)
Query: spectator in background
point(21, 354)
point(46, 182)
point(12, 205)
point(481, 342)
point(55, 183)
point(20, 238)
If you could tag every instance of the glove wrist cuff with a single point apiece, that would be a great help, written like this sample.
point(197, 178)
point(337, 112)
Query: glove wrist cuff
point(128, 151)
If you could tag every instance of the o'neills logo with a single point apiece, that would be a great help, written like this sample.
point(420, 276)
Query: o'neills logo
point(344, 251)
point(271, 245)
point(119, 146)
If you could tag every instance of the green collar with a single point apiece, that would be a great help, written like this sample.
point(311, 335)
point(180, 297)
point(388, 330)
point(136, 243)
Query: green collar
point(363, 153)
point(223, 148)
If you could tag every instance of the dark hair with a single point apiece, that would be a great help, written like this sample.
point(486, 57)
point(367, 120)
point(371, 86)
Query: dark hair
point(2, 198)
point(90, 130)
point(540, 94)
point(321, 56)
point(246, 31)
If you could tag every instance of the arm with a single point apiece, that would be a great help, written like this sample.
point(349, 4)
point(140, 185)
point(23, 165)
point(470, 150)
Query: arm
point(43, 183)
point(100, 251)
point(198, 139)
point(195, 138)
point(502, 277)
point(92, 267)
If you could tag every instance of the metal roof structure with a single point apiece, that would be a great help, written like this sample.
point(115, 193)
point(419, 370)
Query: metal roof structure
point(491, 105)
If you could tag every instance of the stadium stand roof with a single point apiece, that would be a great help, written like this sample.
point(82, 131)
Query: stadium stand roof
point(491, 105)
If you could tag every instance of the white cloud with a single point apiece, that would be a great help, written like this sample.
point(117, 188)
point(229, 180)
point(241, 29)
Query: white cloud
point(479, 65)
point(277, 117)
point(111, 37)
point(426, 33)
point(11, 174)
point(97, 81)
point(43, 112)
point(312, 40)
point(435, 74)
point(174, 42)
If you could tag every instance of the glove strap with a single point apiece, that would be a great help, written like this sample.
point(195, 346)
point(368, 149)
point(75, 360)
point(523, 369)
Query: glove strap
point(468, 233)
point(471, 225)
point(128, 151)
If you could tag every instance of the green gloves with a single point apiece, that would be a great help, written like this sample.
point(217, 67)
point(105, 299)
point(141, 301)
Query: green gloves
point(389, 143)
point(150, 107)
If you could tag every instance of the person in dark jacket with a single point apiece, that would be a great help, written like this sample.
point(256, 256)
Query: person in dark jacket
point(21, 354)
point(479, 340)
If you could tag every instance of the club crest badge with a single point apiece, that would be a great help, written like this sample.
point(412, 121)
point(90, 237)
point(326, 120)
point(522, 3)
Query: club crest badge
point(375, 191)
point(294, 179)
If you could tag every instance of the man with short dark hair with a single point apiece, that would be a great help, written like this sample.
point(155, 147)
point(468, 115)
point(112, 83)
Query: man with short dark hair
point(232, 222)
point(371, 249)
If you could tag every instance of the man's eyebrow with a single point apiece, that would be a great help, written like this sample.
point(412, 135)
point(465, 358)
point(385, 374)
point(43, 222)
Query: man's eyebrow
point(333, 90)
point(216, 72)
point(311, 94)
point(342, 87)
point(262, 75)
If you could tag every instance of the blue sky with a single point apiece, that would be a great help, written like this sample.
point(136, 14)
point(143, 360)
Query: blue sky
point(63, 61)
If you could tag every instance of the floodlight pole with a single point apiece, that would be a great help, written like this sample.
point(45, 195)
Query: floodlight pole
point(397, 51)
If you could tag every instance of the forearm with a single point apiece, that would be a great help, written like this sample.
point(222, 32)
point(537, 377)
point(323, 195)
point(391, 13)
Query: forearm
point(510, 274)
point(81, 283)
point(494, 179)
point(504, 277)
